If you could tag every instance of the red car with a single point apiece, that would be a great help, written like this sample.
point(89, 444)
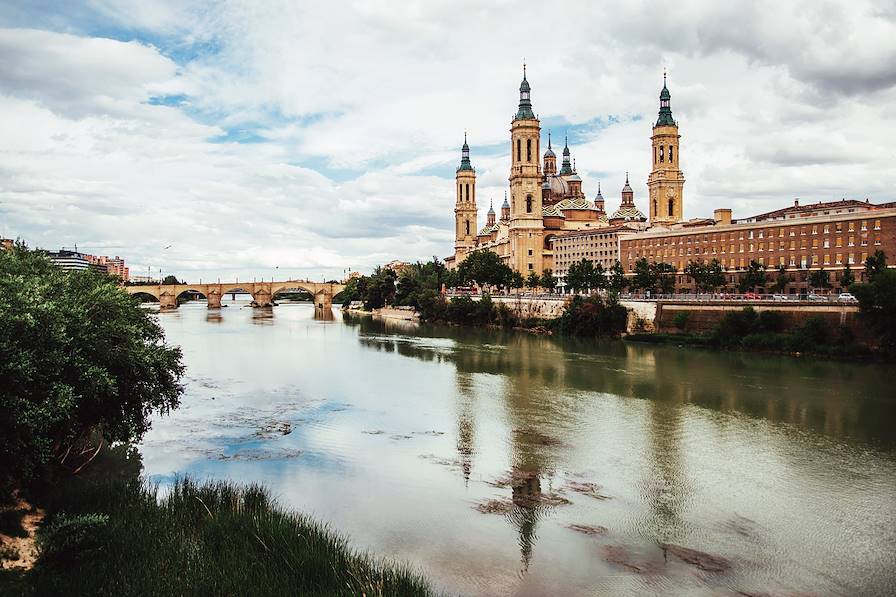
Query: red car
point(752, 296)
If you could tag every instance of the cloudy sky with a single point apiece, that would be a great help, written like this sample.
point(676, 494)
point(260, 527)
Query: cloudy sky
point(303, 138)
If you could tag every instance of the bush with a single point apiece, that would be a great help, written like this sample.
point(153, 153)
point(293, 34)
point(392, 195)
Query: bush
point(681, 319)
point(592, 316)
point(69, 538)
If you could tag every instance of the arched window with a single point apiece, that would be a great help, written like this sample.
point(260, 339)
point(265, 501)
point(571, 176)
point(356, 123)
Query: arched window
point(670, 155)
point(519, 150)
point(654, 155)
point(468, 227)
point(528, 204)
point(460, 192)
point(671, 207)
point(655, 211)
point(528, 150)
point(661, 153)
point(468, 191)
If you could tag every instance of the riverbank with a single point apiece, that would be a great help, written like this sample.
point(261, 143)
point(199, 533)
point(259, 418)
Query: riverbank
point(121, 537)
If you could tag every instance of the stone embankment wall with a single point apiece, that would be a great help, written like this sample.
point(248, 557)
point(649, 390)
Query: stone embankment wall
point(703, 317)
point(402, 313)
point(532, 307)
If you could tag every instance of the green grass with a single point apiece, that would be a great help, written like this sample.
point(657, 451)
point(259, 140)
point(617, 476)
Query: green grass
point(215, 538)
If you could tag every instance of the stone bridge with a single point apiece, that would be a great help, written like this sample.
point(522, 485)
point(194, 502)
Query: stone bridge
point(262, 292)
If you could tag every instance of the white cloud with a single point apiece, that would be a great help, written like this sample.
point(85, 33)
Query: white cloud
point(774, 102)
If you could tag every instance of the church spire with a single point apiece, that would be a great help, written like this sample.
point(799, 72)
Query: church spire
point(524, 112)
point(665, 115)
point(465, 156)
point(566, 167)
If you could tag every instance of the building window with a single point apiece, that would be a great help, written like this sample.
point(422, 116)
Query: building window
point(671, 159)
point(530, 252)
point(468, 227)
point(528, 204)
point(864, 225)
point(876, 226)
point(671, 201)
point(528, 150)
point(519, 150)
point(661, 154)
point(468, 191)
point(827, 259)
point(654, 155)
point(530, 266)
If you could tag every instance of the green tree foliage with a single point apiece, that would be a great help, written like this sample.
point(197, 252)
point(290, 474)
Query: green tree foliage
point(644, 278)
point(782, 280)
point(754, 277)
point(533, 280)
point(419, 282)
point(847, 278)
point(708, 277)
point(820, 279)
point(617, 280)
point(169, 279)
point(580, 275)
point(875, 264)
point(355, 290)
point(79, 359)
point(664, 273)
point(516, 279)
point(484, 268)
point(877, 306)
point(380, 288)
point(548, 280)
point(592, 316)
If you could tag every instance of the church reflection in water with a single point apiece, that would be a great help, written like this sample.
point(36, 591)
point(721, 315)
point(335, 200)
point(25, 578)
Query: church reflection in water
point(535, 380)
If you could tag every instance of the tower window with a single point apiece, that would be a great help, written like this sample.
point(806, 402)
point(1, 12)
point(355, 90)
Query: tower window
point(528, 150)
point(661, 154)
point(519, 150)
point(468, 227)
point(655, 209)
point(528, 204)
point(468, 191)
point(670, 154)
point(671, 202)
point(654, 155)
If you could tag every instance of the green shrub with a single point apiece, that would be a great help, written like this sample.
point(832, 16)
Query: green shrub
point(70, 538)
point(592, 316)
point(681, 319)
point(769, 321)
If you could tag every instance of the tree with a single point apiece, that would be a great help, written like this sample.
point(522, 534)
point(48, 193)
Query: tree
point(753, 277)
point(516, 280)
point(644, 278)
point(617, 281)
point(847, 278)
point(875, 264)
point(380, 288)
point(548, 280)
point(484, 268)
point(877, 304)
point(820, 279)
point(714, 276)
point(597, 279)
point(697, 271)
point(533, 280)
point(782, 280)
point(664, 276)
point(80, 363)
point(170, 280)
point(580, 275)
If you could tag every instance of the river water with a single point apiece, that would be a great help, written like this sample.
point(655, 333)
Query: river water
point(504, 463)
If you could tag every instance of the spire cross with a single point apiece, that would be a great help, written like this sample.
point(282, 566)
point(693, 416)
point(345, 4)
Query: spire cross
point(664, 76)
point(524, 68)
point(549, 139)
point(465, 136)
point(626, 177)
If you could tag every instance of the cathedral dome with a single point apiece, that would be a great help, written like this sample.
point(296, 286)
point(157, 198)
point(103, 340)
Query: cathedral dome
point(558, 185)
point(629, 213)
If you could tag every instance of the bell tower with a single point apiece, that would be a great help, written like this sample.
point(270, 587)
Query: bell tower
point(666, 180)
point(526, 220)
point(465, 213)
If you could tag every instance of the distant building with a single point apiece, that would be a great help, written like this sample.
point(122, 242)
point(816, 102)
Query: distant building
point(397, 266)
point(6, 244)
point(77, 261)
point(70, 260)
point(598, 245)
point(827, 235)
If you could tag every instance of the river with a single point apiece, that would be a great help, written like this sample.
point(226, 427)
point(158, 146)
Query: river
point(504, 463)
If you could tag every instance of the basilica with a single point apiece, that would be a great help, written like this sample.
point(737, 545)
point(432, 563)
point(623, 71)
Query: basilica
point(546, 203)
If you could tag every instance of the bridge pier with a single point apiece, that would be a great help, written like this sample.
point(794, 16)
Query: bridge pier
point(262, 296)
point(323, 300)
point(213, 296)
point(167, 300)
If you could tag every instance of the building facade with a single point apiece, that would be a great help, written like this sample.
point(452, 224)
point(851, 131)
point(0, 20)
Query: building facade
point(832, 236)
point(598, 245)
point(545, 202)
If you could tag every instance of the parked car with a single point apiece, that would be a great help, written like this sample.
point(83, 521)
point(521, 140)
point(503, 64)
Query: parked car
point(846, 297)
point(752, 296)
point(816, 297)
point(780, 297)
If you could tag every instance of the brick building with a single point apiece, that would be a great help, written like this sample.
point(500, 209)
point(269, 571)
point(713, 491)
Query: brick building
point(831, 236)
